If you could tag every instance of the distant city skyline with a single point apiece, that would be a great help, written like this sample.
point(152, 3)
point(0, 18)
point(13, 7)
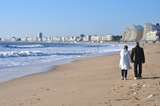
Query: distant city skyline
point(74, 17)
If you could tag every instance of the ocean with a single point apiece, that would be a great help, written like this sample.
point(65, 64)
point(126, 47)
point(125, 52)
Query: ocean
point(22, 59)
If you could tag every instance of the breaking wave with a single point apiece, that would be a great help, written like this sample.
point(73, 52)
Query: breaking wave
point(33, 53)
point(25, 46)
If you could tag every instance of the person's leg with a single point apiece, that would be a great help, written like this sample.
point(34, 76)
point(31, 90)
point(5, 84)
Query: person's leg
point(125, 74)
point(140, 70)
point(122, 73)
point(135, 70)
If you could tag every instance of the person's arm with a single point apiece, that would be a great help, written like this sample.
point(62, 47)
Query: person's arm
point(129, 60)
point(120, 62)
point(121, 53)
point(132, 55)
point(143, 56)
point(129, 57)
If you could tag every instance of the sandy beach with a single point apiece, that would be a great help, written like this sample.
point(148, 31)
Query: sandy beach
point(88, 82)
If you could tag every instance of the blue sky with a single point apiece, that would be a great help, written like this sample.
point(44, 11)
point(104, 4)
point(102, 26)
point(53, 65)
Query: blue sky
point(72, 17)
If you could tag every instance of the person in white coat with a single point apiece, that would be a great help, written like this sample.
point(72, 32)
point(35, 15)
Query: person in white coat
point(125, 61)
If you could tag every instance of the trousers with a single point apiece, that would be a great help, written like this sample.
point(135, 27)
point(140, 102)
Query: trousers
point(124, 73)
point(138, 69)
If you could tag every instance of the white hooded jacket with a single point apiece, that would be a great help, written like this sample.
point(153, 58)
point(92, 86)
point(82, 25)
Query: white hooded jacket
point(125, 59)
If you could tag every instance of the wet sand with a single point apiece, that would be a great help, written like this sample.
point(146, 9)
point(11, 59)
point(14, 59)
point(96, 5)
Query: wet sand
point(88, 82)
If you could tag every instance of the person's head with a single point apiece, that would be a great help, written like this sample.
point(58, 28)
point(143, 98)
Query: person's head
point(125, 47)
point(137, 44)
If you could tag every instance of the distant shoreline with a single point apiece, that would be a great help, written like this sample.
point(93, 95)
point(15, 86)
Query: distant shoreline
point(121, 42)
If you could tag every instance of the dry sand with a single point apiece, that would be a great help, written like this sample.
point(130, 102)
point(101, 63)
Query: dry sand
point(88, 82)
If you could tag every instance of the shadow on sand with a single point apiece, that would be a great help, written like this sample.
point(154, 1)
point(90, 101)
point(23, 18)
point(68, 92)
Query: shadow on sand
point(151, 78)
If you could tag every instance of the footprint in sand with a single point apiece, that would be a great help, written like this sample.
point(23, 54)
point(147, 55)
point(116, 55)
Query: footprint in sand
point(21, 104)
point(38, 99)
point(45, 89)
point(34, 95)
point(117, 88)
point(136, 98)
point(34, 100)
point(108, 103)
point(135, 88)
point(138, 105)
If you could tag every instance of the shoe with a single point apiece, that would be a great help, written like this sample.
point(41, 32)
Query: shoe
point(140, 77)
point(122, 78)
point(135, 78)
point(125, 79)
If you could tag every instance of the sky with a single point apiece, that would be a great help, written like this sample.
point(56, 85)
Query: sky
point(74, 17)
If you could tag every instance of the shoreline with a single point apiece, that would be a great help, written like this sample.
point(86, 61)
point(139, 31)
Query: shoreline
point(87, 82)
point(19, 69)
point(54, 67)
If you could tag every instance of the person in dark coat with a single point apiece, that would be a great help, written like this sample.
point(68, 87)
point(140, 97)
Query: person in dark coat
point(138, 58)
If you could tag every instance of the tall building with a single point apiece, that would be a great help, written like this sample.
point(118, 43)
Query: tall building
point(151, 32)
point(41, 36)
point(158, 31)
point(158, 27)
point(133, 33)
point(148, 27)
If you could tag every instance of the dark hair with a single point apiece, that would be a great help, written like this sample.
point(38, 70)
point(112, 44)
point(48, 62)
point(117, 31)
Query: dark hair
point(126, 47)
point(137, 43)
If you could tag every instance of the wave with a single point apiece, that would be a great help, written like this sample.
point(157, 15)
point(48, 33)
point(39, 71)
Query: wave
point(69, 53)
point(25, 46)
point(33, 53)
point(20, 54)
point(97, 45)
point(53, 45)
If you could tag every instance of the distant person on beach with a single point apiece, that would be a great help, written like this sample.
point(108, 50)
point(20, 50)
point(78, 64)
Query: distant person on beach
point(138, 58)
point(124, 62)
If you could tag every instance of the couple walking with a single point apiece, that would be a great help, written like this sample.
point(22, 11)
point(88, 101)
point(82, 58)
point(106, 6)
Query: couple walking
point(137, 57)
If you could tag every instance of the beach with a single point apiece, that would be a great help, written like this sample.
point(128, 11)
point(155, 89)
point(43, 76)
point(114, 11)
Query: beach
point(88, 82)
point(23, 59)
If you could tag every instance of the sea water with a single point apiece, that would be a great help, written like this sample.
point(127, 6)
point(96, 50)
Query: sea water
point(22, 59)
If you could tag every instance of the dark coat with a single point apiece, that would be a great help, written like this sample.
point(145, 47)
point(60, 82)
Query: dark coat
point(137, 55)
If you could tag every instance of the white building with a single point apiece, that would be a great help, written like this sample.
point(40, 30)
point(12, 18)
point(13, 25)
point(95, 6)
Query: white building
point(151, 36)
point(106, 38)
point(69, 38)
point(86, 38)
point(151, 32)
point(133, 33)
point(56, 39)
point(95, 38)
point(28, 39)
point(62, 39)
